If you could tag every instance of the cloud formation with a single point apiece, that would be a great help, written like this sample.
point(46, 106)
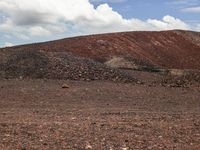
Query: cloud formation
point(184, 2)
point(108, 1)
point(195, 9)
point(41, 18)
point(7, 44)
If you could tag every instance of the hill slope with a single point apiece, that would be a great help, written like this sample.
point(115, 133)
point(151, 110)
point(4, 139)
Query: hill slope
point(166, 49)
point(32, 63)
point(97, 56)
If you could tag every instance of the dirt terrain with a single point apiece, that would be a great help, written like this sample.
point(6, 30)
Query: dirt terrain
point(40, 114)
point(165, 49)
point(128, 91)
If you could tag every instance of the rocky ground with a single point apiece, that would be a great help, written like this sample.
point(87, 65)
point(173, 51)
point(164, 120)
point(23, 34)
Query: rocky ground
point(79, 115)
point(34, 64)
point(128, 91)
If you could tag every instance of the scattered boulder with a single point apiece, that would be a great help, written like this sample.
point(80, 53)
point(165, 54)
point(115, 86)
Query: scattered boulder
point(65, 86)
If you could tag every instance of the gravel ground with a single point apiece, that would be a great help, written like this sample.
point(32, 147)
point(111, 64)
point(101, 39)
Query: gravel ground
point(40, 114)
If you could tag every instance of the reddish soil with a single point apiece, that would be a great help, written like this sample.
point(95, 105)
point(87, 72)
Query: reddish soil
point(40, 114)
point(63, 94)
point(166, 49)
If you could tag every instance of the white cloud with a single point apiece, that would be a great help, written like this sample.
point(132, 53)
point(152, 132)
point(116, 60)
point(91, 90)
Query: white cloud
point(7, 25)
point(198, 27)
point(192, 9)
point(26, 19)
point(8, 44)
point(184, 2)
point(39, 31)
point(108, 1)
point(169, 22)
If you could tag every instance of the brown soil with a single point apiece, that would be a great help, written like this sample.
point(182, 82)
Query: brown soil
point(135, 90)
point(40, 114)
point(166, 49)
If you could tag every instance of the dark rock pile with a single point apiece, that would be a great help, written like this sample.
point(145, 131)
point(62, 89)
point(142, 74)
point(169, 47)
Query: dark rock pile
point(56, 65)
point(182, 81)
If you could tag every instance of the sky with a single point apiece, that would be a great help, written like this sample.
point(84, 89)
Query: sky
point(25, 21)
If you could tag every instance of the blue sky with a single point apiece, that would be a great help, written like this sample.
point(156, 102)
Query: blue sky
point(23, 21)
point(145, 9)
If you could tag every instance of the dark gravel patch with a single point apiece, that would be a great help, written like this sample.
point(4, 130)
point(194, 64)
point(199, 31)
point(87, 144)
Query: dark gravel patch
point(36, 64)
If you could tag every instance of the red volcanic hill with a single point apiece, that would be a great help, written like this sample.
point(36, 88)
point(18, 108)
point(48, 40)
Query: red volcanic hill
point(87, 55)
point(167, 49)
